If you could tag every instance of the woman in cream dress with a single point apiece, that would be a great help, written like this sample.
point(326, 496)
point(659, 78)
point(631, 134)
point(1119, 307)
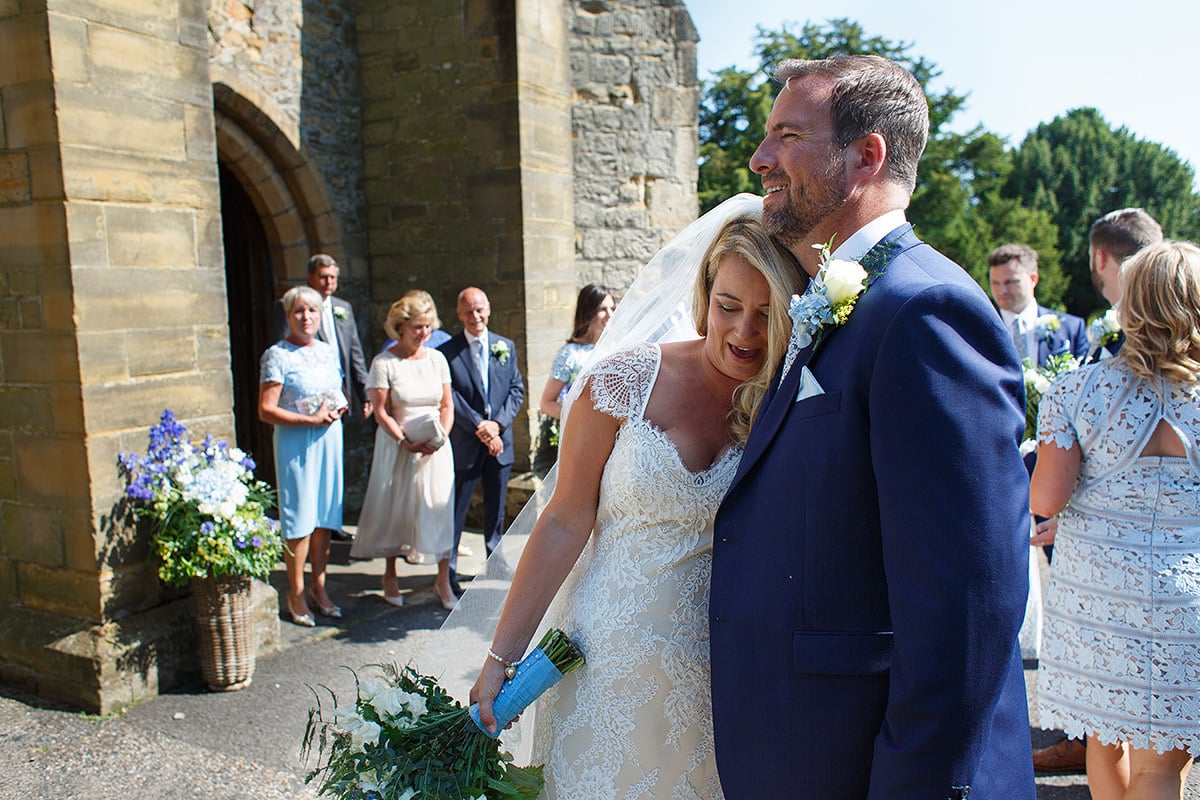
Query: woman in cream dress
point(409, 505)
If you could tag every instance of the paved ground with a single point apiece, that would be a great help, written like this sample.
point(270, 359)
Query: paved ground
point(196, 745)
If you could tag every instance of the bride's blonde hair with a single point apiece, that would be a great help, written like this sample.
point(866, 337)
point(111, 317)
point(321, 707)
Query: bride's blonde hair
point(744, 237)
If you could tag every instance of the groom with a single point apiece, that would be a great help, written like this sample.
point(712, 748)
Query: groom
point(870, 561)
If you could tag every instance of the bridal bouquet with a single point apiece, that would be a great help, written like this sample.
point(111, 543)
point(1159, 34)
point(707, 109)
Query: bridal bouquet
point(406, 738)
point(1037, 383)
point(209, 512)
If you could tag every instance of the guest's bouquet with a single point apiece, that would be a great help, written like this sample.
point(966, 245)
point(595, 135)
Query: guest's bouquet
point(209, 512)
point(1037, 383)
point(406, 738)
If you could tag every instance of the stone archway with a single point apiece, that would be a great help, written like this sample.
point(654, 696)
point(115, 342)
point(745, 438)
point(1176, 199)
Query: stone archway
point(275, 214)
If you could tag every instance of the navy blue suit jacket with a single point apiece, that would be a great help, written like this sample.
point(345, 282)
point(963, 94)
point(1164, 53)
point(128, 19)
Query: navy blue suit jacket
point(870, 560)
point(1071, 337)
point(506, 391)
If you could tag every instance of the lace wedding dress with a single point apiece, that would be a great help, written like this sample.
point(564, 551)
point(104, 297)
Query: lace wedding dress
point(1121, 644)
point(636, 720)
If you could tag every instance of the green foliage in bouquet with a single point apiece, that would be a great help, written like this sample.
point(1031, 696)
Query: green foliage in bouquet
point(406, 738)
point(209, 513)
point(1037, 383)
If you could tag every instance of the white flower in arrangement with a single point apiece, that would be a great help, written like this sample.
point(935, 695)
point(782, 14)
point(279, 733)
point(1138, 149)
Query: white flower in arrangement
point(340, 312)
point(368, 781)
point(1035, 379)
point(1104, 329)
point(500, 351)
point(367, 690)
point(407, 794)
point(363, 734)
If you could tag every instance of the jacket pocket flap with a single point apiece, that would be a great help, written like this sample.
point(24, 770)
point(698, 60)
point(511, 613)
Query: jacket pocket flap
point(816, 405)
point(827, 653)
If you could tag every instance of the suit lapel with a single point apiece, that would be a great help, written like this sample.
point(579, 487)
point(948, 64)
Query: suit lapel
point(776, 406)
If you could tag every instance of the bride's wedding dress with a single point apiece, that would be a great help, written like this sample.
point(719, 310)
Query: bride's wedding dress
point(636, 720)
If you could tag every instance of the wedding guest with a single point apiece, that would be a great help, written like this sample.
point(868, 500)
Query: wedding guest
point(593, 310)
point(300, 393)
point(407, 507)
point(338, 328)
point(488, 392)
point(1038, 332)
point(1118, 457)
point(1112, 239)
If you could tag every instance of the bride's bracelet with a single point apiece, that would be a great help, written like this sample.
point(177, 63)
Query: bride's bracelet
point(510, 667)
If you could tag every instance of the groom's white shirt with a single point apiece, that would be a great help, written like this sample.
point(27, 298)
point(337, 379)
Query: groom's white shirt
point(869, 235)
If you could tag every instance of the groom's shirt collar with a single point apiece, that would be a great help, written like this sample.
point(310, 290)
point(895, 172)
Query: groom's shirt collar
point(869, 235)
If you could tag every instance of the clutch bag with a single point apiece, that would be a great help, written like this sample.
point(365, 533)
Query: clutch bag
point(424, 427)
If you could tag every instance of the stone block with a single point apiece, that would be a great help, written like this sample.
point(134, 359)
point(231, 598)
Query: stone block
point(8, 480)
point(139, 404)
point(160, 351)
point(66, 404)
point(199, 128)
point(8, 581)
point(165, 298)
point(145, 237)
point(157, 18)
point(25, 408)
point(53, 471)
point(29, 114)
point(15, 184)
point(25, 56)
point(70, 38)
point(32, 535)
point(58, 591)
point(79, 541)
point(39, 357)
point(120, 121)
point(87, 234)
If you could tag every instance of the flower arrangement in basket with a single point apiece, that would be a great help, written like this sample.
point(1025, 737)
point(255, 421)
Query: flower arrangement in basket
point(210, 514)
point(406, 738)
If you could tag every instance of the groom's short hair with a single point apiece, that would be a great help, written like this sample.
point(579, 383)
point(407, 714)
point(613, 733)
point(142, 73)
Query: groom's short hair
point(1123, 232)
point(872, 94)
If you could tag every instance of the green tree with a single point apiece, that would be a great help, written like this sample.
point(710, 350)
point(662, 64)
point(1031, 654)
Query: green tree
point(1077, 167)
point(957, 205)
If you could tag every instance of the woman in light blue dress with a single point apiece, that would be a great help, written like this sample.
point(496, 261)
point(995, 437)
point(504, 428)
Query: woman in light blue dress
point(300, 393)
point(593, 310)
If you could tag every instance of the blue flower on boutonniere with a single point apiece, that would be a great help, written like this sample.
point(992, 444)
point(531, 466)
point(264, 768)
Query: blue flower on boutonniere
point(1045, 326)
point(1104, 329)
point(499, 352)
point(340, 312)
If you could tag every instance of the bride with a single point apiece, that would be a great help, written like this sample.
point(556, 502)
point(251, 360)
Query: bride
point(653, 438)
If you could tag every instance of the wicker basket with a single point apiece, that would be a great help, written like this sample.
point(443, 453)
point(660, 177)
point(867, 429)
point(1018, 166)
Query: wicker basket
point(224, 631)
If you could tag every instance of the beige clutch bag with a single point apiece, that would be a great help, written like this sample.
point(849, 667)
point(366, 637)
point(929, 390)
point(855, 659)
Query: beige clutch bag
point(424, 427)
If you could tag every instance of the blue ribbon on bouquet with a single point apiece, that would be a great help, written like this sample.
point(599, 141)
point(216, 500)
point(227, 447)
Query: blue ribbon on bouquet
point(534, 675)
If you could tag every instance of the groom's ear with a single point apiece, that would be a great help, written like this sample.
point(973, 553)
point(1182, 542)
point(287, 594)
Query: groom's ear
point(866, 157)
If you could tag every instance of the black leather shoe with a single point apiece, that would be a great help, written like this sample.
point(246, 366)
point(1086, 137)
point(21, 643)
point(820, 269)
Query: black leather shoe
point(454, 587)
point(342, 536)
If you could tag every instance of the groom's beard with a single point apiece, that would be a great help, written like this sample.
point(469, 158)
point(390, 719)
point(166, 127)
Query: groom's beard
point(809, 205)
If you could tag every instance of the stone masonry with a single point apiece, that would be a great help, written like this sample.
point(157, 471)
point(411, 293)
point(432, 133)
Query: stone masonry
point(528, 147)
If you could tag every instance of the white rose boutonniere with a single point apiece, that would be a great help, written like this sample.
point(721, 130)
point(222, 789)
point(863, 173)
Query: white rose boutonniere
point(1104, 329)
point(829, 299)
point(500, 352)
point(340, 312)
point(1045, 326)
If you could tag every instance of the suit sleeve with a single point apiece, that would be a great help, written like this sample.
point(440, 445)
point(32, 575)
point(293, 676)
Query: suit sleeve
point(946, 417)
point(1079, 341)
point(358, 364)
point(507, 412)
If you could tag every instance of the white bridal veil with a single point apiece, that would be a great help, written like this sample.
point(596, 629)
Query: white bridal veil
point(657, 307)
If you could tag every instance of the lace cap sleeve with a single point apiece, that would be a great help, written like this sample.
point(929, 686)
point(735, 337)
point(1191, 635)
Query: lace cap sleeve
point(1056, 424)
point(620, 384)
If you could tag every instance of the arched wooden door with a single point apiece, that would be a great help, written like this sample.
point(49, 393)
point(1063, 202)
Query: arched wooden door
point(250, 291)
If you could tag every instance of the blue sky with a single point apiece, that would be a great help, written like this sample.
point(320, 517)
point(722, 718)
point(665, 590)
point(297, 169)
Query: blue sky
point(1021, 62)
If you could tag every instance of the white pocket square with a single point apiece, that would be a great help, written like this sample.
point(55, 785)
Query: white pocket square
point(808, 385)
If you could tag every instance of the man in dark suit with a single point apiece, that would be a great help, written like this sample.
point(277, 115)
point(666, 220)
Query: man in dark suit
point(488, 392)
point(339, 328)
point(870, 560)
point(1038, 332)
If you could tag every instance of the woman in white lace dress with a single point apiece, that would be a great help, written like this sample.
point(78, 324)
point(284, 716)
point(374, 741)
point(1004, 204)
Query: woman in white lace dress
point(1119, 456)
point(651, 444)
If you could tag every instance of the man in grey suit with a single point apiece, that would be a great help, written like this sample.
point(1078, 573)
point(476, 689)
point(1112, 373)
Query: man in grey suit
point(339, 328)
